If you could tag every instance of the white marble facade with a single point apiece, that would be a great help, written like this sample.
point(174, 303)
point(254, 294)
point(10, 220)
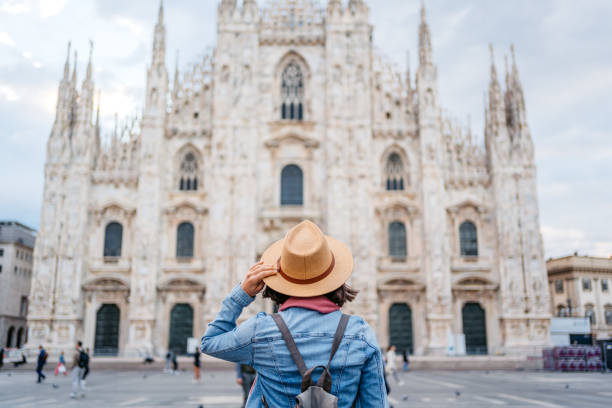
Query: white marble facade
point(373, 148)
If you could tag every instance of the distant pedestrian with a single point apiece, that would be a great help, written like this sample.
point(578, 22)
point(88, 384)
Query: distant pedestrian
point(406, 360)
point(85, 362)
point(174, 362)
point(168, 362)
point(196, 366)
point(245, 378)
point(60, 368)
point(77, 370)
point(1, 356)
point(40, 363)
point(391, 367)
point(148, 358)
point(20, 362)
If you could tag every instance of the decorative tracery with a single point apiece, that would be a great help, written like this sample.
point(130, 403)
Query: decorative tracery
point(188, 180)
point(394, 172)
point(292, 92)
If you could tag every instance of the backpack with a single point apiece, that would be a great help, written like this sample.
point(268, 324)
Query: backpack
point(83, 359)
point(313, 395)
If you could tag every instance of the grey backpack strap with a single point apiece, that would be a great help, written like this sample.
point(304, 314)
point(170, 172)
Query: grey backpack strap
point(325, 378)
point(295, 354)
point(338, 337)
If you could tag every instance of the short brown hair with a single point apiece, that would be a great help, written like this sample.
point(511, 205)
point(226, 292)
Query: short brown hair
point(339, 296)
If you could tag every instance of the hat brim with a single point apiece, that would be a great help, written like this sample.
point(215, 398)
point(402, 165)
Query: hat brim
point(343, 267)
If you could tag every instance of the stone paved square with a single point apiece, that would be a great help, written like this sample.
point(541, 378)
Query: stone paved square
point(431, 389)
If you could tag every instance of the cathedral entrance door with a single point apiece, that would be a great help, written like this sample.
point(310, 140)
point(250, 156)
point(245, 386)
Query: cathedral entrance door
point(107, 331)
point(474, 328)
point(181, 327)
point(400, 327)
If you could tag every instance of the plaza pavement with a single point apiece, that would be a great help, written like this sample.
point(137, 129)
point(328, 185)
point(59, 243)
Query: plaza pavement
point(431, 389)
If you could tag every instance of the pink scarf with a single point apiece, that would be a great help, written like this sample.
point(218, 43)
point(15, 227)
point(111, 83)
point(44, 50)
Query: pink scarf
point(320, 304)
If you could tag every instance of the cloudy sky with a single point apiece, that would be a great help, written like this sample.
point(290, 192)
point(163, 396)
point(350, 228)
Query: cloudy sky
point(563, 51)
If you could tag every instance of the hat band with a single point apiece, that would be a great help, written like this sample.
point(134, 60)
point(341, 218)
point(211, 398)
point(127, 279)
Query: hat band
point(310, 280)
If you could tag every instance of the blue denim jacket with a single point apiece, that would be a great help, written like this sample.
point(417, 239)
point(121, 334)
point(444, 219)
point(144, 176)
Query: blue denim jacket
point(357, 367)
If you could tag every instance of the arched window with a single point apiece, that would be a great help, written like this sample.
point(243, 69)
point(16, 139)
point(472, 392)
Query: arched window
point(589, 313)
point(394, 172)
point(397, 240)
point(292, 92)
point(112, 239)
point(608, 313)
point(468, 239)
point(9, 337)
point(292, 185)
point(188, 178)
point(184, 240)
point(19, 337)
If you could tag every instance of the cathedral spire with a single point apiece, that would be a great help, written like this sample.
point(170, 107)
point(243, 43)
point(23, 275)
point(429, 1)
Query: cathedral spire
point(98, 113)
point(496, 109)
point(515, 80)
point(159, 38)
point(425, 49)
point(67, 64)
point(408, 73)
point(175, 88)
point(89, 64)
point(74, 70)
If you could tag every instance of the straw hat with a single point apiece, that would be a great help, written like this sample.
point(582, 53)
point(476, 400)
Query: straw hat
point(310, 263)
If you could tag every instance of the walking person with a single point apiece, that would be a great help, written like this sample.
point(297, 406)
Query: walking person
point(40, 363)
point(168, 362)
point(305, 273)
point(60, 368)
point(196, 366)
point(77, 370)
point(391, 364)
point(85, 362)
point(174, 362)
point(245, 378)
point(1, 357)
point(406, 360)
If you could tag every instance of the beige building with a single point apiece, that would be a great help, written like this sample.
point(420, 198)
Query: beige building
point(580, 287)
point(16, 262)
point(293, 116)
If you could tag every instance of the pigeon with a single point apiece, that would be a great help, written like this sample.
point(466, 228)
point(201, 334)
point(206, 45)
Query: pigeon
point(55, 385)
point(457, 394)
point(405, 398)
point(144, 376)
point(200, 406)
point(567, 386)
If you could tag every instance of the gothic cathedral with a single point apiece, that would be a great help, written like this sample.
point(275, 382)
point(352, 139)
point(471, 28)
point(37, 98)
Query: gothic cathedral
point(293, 116)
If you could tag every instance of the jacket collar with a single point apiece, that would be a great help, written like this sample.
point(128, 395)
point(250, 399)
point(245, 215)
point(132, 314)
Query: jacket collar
point(319, 304)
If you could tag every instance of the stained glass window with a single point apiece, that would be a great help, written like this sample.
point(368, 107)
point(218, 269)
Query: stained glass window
point(112, 239)
point(468, 238)
point(292, 92)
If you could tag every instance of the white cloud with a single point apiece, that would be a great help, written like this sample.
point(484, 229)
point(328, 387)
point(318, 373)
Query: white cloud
point(6, 39)
point(37, 65)
point(27, 54)
point(15, 7)
point(8, 93)
point(602, 249)
point(50, 8)
point(130, 24)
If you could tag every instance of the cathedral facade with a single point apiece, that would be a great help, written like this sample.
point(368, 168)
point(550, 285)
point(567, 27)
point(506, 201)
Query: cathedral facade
point(293, 116)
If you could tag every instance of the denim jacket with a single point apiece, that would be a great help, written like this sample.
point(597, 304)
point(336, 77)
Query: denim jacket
point(357, 367)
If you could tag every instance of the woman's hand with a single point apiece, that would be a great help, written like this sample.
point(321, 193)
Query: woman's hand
point(253, 283)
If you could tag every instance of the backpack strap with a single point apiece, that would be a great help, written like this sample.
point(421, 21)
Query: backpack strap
point(338, 336)
point(325, 380)
point(295, 354)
